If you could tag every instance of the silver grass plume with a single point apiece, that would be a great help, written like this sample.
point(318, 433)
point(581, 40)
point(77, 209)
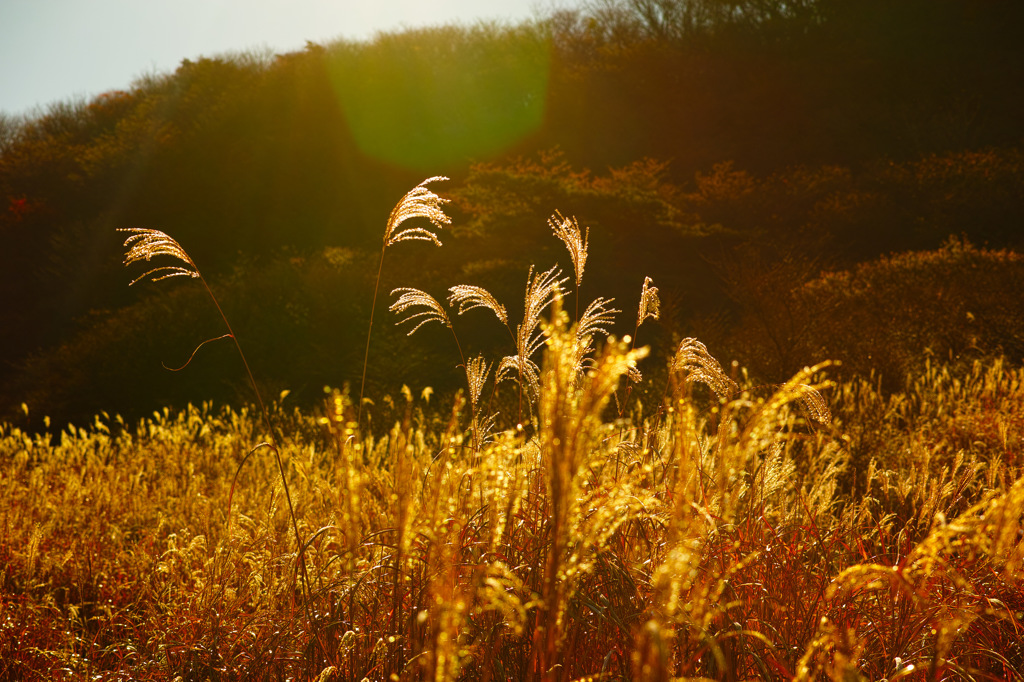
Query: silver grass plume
point(598, 315)
point(693, 358)
point(650, 304)
point(144, 244)
point(568, 230)
point(526, 369)
point(650, 307)
point(477, 370)
point(467, 297)
point(814, 403)
point(419, 202)
point(414, 298)
point(483, 430)
point(540, 292)
point(809, 398)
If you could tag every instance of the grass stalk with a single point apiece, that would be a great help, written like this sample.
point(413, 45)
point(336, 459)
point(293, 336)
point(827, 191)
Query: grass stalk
point(419, 202)
point(369, 331)
point(144, 245)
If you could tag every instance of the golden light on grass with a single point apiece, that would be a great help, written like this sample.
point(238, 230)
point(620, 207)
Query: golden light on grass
point(477, 370)
point(143, 245)
point(735, 533)
point(693, 360)
point(712, 549)
point(650, 304)
point(409, 298)
point(568, 230)
point(468, 297)
point(419, 202)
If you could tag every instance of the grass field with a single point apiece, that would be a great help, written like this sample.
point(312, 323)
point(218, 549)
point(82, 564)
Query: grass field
point(714, 529)
point(734, 542)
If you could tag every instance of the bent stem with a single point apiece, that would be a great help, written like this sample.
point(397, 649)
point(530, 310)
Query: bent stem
point(274, 445)
point(143, 245)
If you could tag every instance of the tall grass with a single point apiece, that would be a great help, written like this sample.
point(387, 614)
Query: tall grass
point(142, 246)
point(419, 202)
point(728, 551)
point(726, 531)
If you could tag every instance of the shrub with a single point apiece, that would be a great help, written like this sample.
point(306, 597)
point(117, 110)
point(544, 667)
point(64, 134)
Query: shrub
point(889, 315)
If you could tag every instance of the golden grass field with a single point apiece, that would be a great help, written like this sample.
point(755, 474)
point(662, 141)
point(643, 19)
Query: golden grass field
point(719, 530)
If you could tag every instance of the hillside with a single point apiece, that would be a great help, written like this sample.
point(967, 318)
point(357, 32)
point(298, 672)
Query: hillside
point(711, 150)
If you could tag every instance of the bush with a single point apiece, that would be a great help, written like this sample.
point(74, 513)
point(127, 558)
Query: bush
point(888, 316)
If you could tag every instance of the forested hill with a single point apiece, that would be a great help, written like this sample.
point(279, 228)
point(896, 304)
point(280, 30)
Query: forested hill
point(698, 137)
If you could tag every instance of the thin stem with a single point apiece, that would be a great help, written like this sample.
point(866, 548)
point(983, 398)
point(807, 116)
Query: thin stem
point(577, 318)
point(629, 382)
point(465, 367)
point(458, 345)
point(369, 330)
point(275, 446)
point(520, 367)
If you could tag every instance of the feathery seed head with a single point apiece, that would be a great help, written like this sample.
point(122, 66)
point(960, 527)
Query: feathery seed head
point(568, 230)
point(412, 298)
point(541, 289)
point(696, 362)
point(419, 202)
point(598, 315)
point(143, 244)
point(650, 304)
point(815, 404)
point(595, 320)
point(526, 370)
point(468, 297)
point(476, 375)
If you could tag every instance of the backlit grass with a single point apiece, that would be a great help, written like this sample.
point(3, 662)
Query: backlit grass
point(567, 530)
point(724, 541)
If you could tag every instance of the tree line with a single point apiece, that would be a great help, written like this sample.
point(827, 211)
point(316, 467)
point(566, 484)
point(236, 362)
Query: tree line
point(705, 139)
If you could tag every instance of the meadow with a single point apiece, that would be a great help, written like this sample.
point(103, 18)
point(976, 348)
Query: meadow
point(576, 512)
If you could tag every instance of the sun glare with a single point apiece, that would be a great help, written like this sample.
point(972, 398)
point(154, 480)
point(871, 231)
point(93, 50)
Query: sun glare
point(426, 108)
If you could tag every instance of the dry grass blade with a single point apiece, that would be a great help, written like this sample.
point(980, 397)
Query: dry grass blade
point(568, 230)
point(815, 405)
point(477, 370)
point(419, 202)
point(650, 304)
point(413, 298)
point(693, 359)
point(468, 297)
point(144, 244)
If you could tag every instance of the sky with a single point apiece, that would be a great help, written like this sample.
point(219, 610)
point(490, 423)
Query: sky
point(58, 50)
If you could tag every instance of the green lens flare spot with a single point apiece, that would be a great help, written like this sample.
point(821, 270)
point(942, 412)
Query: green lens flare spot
point(424, 100)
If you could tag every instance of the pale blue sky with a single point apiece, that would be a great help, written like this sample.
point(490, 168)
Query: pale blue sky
point(54, 50)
